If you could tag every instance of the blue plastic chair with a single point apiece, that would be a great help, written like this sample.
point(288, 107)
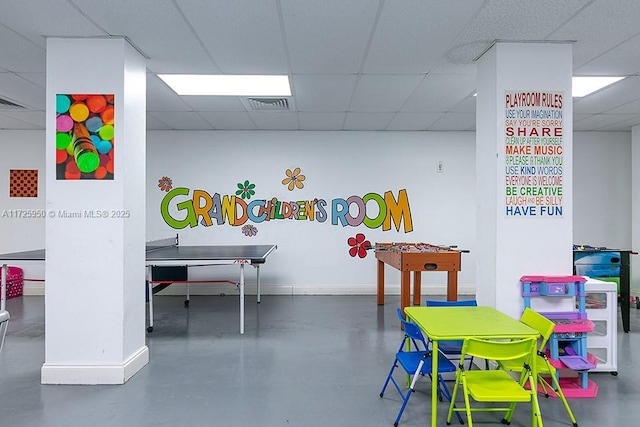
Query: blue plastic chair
point(416, 363)
point(453, 348)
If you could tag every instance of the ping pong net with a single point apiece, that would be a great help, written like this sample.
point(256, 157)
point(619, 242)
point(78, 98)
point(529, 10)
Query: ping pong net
point(167, 242)
point(165, 280)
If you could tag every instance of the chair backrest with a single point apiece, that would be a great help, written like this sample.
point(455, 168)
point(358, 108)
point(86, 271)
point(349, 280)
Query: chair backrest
point(4, 323)
point(461, 303)
point(537, 321)
point(411, 330)
point(499, 350)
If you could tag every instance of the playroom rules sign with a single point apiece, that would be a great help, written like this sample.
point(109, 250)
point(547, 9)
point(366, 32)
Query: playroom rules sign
point(533, 153)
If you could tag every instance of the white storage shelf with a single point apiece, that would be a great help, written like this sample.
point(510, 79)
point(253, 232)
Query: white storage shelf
point(602, 310)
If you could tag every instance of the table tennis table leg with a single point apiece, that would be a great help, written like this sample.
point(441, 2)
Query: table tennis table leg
point(242, 298)
point(186, 302)
point(150, 297)
point(258, 281)
point(3, 284)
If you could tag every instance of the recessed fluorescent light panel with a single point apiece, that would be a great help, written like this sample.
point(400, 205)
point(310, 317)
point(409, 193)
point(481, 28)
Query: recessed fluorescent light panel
point(227, 85)
point(583, 86)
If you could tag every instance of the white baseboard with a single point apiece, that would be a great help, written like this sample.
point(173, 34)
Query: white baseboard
point(95, 374)
point(250, 289)
point(343, 289)
point(35, 289)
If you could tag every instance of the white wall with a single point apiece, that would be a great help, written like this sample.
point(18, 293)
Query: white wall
point(315, 255)
point(23, 150)
point(339, 164)
point(602, 189)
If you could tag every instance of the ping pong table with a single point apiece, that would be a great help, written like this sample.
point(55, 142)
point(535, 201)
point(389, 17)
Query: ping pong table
point(168, 252)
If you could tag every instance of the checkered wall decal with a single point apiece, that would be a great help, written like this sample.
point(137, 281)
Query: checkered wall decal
point(23, 183)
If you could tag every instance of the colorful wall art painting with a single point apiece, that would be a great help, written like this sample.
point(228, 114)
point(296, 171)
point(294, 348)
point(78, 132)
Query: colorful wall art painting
point(84, 136)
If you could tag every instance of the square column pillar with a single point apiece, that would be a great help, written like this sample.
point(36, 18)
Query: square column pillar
point(524, 144)
point(95, 201)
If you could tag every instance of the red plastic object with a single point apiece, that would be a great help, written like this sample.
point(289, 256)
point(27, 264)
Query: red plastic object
point(15, 282)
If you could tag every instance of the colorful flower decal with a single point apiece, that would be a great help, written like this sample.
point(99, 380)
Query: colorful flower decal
point(249, 230)
point(245, 189)
point(294, 179)
point(358, 245)
point(165, 184)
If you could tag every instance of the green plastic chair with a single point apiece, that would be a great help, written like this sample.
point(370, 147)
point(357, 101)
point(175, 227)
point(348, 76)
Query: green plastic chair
point(496, 386)
point(544, 369)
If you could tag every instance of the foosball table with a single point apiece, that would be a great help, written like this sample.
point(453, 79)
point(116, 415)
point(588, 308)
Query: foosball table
point(416, 258)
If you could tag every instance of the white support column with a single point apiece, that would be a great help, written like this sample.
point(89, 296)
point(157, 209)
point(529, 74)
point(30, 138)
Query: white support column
point(95, 230)
point(524, 147)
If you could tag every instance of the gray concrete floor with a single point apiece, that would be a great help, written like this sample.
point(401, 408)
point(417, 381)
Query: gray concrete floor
point(303, 361)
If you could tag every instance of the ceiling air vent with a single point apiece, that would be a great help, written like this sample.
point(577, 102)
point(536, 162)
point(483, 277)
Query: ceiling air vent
point(269, 103)
point(5, 104)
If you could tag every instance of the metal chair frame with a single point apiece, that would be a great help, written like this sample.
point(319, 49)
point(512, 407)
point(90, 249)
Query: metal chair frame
point(416, 363)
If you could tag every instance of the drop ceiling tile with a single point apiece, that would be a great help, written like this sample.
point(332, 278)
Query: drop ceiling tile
point(383, 93)
point(622, 60)
point(440, 93)
point(632, 107)
point(244, 36)
point(334, 42)
point(275, 120)
point(162, 98)
point(155, 124)
point(323, 93)
point(624, 125)
point(449, 68)
point(22, 91)
point(321, 121)
point(367, 121)
point(229, 120)
point(413, 121)
point(577, 117)
point(19, 54)
point(155, 27)
point(7, 122)
point(599, 27)
point(35, 118)
point(35, 19)
point(328, 36)
point(180, 120)
point(39, 79)
point(424, 35)
point(467, 105)
point(517, 20)
point(455, 122)
point(600, 121)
